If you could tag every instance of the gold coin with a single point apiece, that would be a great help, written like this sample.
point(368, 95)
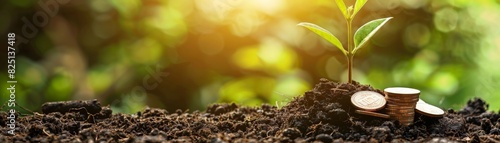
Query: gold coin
point(403, 97)
point(396, 103)
point(400, 108)
point(409, 106)
point(392, 102)
point(369, 113)
point(406, 120)
point(391, 114)
point(401, 104)
point(396, 114)
point(405, 115)
point(368, 100)
point(392, 106)
point(396, 108)
point(402, 118)
point(402, 111)
point(405, 100)
point(401, 94)
point(429, 110)
point(402, 100)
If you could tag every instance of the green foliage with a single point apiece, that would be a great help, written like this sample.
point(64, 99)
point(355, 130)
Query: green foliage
point(130, 104)
point(325, 34)
point(341, 5)
point(359, 4)
point(363, 34)
point(60, 87)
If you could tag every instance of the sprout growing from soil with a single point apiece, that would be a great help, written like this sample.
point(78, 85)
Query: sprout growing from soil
point(362, 35)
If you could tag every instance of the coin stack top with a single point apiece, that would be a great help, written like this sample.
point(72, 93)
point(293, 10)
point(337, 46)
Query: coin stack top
point(402, 90)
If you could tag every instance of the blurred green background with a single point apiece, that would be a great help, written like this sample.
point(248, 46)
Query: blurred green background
point(186, 54)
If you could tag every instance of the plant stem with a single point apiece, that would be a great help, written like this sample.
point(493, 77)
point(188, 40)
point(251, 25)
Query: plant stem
point(349, 67)
point(349, 50)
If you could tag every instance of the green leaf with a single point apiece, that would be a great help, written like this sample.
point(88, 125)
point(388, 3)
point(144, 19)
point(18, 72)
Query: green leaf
point(342, 7)
point(365, 32)
point(325, 34)
point(359, 4)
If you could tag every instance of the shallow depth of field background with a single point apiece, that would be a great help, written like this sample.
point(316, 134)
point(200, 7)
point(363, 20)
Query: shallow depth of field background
point(187, 54)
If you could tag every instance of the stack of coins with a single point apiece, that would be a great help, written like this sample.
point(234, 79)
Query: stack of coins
point(401, 103)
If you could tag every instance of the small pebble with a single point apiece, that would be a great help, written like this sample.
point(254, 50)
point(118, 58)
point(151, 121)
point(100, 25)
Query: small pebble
point(292, 133)
point(324, 138)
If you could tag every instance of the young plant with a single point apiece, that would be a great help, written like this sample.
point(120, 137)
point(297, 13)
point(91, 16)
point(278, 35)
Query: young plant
point(362, 35)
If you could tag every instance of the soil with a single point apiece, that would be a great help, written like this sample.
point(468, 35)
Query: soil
point(323, 114)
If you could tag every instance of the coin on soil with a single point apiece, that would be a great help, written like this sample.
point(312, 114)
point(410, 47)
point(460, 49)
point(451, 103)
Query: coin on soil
point(368, 100)
point(370, 113)
point(429, 110)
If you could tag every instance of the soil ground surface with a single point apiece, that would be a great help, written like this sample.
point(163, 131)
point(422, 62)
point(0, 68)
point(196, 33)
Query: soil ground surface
point(323, 114)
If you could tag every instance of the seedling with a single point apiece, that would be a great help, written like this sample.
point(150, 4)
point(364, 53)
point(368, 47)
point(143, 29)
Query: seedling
point(362, 35)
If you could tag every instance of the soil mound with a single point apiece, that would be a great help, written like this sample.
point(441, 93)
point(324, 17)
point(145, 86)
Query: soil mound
point(322, 114)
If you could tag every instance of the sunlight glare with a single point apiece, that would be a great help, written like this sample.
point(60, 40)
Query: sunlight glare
point(268, 6)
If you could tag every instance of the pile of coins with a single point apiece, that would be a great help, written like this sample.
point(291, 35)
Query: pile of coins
point(400, 104)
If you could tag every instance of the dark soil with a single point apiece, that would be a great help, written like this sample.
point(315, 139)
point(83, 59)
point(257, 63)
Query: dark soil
point(321, 114)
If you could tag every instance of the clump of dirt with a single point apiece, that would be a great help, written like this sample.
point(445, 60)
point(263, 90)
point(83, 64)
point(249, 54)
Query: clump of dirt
point(322, 114)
